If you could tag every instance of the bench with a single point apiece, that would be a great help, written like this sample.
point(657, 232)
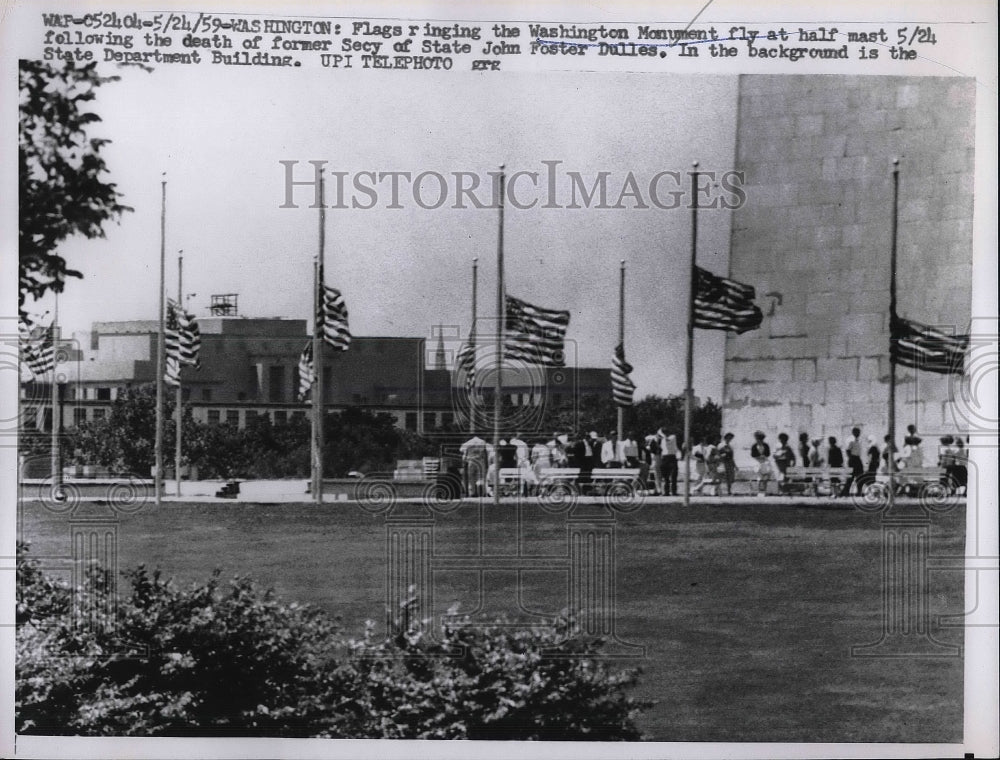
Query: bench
point(552, 477)
point(812, 479)
point(409, 469)
point(602, 480)
point(915, 479)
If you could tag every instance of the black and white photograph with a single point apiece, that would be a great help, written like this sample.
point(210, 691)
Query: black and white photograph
point(433, 375)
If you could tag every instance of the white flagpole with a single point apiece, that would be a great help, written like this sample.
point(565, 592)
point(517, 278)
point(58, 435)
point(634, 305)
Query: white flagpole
point(472, 346)
point(498, 366)
point(689, 382)
point(56, 410)
point(621, 341)
point(160, 348)
point(318, 324)
point(890, 459)
point(180, 395)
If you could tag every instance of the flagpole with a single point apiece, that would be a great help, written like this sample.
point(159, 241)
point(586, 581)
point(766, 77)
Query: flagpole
point(317, 395)
point(689, 387)
point(56, 410)
point(498, 380)
point(621, 342)
point(160, 347)
point(180, 396)
point(891, 455)
point(472, 346)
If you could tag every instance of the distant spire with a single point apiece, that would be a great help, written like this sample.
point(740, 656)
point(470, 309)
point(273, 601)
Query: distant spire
point(439, 356)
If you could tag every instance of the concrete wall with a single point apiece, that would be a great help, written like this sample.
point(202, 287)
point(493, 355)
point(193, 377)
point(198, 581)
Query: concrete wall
point(814, 238)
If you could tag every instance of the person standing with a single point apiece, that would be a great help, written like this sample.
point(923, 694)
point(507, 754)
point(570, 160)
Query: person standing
point(697, 455)
point(576, 452)
point(835, 460)
point(507, 455)
point(630, 450)
point(803, 450)
point(671, 454)
point(961, 466)
point(854, 460)
point(525, 474)
point(727, 459)
point(784, 458)
point(761, 454)
point(815, 455)
point(654, 453)
point(582, 454)
point(611, 452)
point(710, 457)
point(596, 450)
point(541, 460)
point(946, 461)
point(474, 465)
point(873, 456)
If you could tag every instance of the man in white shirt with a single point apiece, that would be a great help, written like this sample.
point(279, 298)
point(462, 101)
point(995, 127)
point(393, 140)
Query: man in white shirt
point(611, 451)
point(474, 461)
point(855, 461)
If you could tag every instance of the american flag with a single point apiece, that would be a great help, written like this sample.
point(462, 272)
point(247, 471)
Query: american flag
point(36, 347)
point(721, 304)
point(915, 345)
point(182, 337)
point(465, 362)
point(333, 319)
point(307, 371)
point(534, 334)
point(622, 386)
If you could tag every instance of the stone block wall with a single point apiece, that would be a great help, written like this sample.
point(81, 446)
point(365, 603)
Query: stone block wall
point(814, 239)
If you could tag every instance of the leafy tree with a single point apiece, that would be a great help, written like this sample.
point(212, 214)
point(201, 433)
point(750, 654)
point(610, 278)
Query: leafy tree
point(62, 175)
point(220, 659)
point(125, 440)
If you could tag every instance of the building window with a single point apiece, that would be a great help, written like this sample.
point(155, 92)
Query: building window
point(251, 415)
point(103, 394)
point(355, 398)
point(99, 414)
point(206, 394)
point(298, 415)
point(280, 417)
point(185, 394)
point(430, 420)
point(411, 420)
point(214, 416)
point(447, 419)
point(233, 417)
point(70, 393)
point(79, 415)
point(276, 384)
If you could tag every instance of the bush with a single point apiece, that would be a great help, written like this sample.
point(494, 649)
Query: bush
point(233, 660)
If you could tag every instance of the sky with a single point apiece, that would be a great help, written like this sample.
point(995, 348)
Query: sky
point(219, 135)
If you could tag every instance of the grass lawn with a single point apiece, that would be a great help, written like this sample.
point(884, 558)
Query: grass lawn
point(747, 611)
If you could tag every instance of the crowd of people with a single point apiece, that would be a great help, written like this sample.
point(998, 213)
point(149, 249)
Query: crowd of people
point(658, 457)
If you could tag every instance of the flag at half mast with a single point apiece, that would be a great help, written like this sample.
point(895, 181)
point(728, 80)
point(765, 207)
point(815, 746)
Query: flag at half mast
point(918, 346)
point(622, 386)
point(182, 338)
point(333, 319)
point(465, 363)
point(307, 371)
point(534, 334)
point(722, 304)
point(36, 347)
